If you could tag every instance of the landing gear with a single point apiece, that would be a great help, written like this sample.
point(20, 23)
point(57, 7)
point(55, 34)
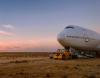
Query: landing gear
point(72, 51)
point(81, 54)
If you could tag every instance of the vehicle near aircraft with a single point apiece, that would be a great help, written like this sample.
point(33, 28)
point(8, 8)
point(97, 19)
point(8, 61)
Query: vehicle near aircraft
point(61, 54)
point(79, 40)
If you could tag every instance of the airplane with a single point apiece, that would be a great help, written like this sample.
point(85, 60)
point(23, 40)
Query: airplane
point(80, 40)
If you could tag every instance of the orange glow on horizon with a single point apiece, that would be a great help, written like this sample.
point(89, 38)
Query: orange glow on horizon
point(17, 45)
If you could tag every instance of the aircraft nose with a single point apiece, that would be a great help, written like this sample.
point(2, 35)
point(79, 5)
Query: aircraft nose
point(60, 38)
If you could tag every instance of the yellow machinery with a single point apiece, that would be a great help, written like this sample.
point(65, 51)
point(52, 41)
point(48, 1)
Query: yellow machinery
point(62, 54)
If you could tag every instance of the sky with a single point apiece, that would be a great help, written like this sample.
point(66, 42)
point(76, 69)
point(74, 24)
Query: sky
point(33, 25)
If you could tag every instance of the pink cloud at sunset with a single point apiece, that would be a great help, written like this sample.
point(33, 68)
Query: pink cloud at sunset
point(6, 30)
point(5, 33)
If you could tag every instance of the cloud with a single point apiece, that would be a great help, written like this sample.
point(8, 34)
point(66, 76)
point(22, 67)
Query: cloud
point(6, 30)
point(5, 33)
point(8, 26)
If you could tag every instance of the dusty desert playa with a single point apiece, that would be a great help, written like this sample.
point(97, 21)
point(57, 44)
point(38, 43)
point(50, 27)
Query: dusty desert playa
point(38, 65)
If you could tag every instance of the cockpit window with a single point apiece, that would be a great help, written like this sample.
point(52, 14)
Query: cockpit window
point(69, 27)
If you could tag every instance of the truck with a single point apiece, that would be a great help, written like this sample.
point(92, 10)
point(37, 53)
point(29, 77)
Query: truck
point(61, 54)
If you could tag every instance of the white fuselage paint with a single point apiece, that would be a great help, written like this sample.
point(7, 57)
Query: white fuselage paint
point(79, 38)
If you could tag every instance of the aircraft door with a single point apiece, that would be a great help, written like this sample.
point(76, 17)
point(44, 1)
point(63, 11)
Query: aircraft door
point(86, 39)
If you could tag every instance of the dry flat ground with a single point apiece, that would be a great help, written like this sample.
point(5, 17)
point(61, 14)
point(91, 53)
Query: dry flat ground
point(38, 65)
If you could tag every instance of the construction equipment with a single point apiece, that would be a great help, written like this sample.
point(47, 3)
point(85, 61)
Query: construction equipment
point(61, 54)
